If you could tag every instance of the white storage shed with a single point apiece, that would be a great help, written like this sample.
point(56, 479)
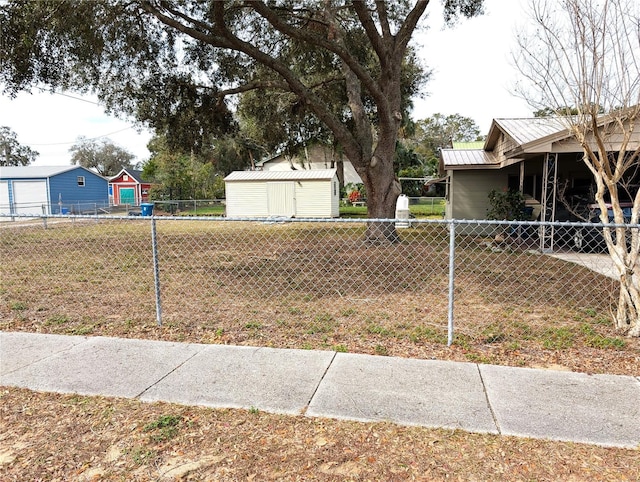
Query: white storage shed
point(302, 194)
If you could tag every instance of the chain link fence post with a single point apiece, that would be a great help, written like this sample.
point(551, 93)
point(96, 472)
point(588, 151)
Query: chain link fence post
point(452, 251)
point(156, 270)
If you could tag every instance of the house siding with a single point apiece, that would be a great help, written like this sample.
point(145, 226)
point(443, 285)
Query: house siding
point(469, 191)
point(65, 185)
point(319, 158)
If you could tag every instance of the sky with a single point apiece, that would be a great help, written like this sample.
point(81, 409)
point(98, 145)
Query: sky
point(471, 76)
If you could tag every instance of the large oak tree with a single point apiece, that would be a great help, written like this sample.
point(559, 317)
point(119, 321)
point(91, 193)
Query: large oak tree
point(172, 64)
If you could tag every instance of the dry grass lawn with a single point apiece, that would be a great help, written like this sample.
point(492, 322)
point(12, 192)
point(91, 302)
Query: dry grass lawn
point(65, 437)
point(305, 287)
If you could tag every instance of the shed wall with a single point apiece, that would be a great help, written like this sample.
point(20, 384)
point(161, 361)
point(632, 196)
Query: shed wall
point(65, 185)
point(311, 198)
point(314, 199)
point(246, 199)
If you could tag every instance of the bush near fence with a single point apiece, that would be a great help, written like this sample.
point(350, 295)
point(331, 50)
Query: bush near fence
point(315, 284)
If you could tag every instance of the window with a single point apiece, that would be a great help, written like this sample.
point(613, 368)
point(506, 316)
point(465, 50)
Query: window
point(81, 181)
point(125, 178)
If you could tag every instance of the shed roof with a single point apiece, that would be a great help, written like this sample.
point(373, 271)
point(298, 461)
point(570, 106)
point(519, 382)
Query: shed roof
point(37, 172)
point(134, 173)
point(299, 175)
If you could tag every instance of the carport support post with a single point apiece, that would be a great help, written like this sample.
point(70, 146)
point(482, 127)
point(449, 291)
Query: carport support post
point(452, 253)
point(156, 270)
point(549, 186)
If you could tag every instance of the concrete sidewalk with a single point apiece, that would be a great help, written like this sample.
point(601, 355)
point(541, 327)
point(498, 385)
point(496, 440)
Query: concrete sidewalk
point(595, 409)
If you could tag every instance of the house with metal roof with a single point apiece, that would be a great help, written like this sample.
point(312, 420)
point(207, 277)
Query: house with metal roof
point(317, 157)
point(537, 156)
point(51, 190)
point(302, 194)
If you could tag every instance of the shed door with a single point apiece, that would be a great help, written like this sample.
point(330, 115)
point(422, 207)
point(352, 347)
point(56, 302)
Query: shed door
point(4, 198)
point(30, 196)
point(281, 198)
point(127, 195)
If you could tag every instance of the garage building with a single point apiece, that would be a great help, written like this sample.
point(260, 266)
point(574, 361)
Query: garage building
point(302, 194)
point(51, 190)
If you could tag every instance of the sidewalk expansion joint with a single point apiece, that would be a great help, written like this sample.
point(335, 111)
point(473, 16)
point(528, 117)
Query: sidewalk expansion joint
point(49, 356)
point(166, 375)
point(315, 390)
point(486, 397)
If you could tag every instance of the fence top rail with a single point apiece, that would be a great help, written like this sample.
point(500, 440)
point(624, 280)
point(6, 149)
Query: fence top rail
point(282, 220)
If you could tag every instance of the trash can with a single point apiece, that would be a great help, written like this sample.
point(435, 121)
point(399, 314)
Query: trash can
point(64, 210)
point(402, 211)
point(146, 209)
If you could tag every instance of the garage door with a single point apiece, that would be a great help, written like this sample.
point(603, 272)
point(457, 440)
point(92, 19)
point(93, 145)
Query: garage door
point(30, 196)
point(127, 195)
point(4, 199)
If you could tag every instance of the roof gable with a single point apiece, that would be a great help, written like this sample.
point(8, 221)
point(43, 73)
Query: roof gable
point(525, 131)
point(133, 173)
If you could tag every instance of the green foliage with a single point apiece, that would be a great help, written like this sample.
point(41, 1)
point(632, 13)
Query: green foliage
point(558, 338)
point(234, 153)
point(506, 205)
point(102, 155)
point(11, 152)
point(381, 350)
point(355, 192)
point(338, 72)
point(427, 136)
point(409, 187)
point(595, 340)
point(164, 428)
point(180, 176)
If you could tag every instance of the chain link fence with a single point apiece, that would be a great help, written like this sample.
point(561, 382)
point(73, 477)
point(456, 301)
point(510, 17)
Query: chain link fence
point(472, 290)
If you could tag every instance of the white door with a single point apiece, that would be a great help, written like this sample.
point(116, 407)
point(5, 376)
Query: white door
point(4, 200)
point(30, 196)
point(281, 199)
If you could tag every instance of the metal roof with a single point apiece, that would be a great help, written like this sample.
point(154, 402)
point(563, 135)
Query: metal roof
point(468, 157)
point(134, 173)
point(524, 131)
point(299, 175)
point(35, 172)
